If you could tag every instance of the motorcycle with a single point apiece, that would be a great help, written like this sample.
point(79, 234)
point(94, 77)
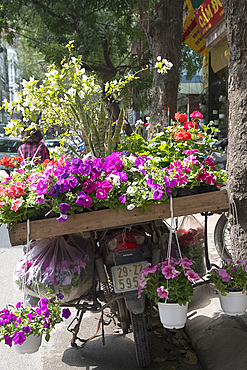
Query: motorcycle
point(120, 255)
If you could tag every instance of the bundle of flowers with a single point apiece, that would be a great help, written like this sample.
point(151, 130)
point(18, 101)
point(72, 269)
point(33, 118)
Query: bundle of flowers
point(62, 264)
point(230, 276)
point(124, 179)
point(19, 322)
point(171, 281)
point(191, 241)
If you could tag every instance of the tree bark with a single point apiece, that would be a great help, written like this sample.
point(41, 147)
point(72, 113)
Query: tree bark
point(166, 36)
point(236, 23)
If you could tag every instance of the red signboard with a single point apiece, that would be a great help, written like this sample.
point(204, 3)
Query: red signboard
point(208, 14)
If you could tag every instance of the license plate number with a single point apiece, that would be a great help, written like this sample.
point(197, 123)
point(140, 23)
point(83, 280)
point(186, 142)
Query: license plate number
point(127, 277)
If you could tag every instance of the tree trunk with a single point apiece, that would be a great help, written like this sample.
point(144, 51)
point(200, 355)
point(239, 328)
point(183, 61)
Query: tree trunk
point(166, 35)
point(236, 22)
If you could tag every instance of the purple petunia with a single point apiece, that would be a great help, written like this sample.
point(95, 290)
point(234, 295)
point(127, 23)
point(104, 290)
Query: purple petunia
point(64, 207)
point(83, 200)
point(18, 305)
point(62, 218)
point(8, 340)
point(122, 198)
point(42, 186)
point(158, 193)
point(66, 313)
point(101, 193)
point(19, 338)
point(26, 329)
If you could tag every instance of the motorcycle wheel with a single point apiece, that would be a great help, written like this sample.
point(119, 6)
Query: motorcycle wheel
point(222, 237)
point(141, 341)
point(123, 316)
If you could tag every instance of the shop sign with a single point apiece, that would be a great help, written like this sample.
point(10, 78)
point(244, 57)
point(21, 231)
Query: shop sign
point(191, 33)
point(208, 14)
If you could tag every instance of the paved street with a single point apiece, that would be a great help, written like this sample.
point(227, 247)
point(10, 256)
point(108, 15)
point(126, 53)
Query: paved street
point(118, 352)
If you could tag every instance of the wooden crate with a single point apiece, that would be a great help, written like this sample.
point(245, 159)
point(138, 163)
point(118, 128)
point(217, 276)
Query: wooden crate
point(215, 202)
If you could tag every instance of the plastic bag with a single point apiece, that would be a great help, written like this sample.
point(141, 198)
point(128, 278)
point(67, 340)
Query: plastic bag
point(191, 241)
point(62, 264)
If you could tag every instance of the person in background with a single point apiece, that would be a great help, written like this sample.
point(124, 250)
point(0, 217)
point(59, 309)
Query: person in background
point(33, 149)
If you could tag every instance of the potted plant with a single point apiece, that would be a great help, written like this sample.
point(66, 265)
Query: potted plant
point(23, 326)
point(231, 280)
point(170, 285)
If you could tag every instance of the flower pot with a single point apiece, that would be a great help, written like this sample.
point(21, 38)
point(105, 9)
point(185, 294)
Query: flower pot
point(31, 344)
point(172, 315)
point(234, 303)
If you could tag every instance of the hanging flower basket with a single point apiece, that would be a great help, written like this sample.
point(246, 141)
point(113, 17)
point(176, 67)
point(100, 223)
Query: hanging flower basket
point(234, 303)
point(31, 345)
point(231, 281)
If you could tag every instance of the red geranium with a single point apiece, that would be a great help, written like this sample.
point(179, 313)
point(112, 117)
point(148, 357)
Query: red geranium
point(182, 117)
point(7, 161)
point(189, 124)
point(19, 158)
point(47, 161)
point(182, 134)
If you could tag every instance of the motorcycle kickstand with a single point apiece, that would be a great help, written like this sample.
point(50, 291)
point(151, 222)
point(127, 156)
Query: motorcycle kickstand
point(76, 328)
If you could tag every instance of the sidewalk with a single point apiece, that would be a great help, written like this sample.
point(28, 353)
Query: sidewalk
point(219, 340)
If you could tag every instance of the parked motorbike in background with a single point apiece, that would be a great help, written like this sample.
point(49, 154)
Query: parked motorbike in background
point(222, 231)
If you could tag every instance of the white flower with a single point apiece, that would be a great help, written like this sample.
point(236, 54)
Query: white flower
point(130, 207)
point(130, 190)
point(132, 158)
point(115, 179)
point(159, 58)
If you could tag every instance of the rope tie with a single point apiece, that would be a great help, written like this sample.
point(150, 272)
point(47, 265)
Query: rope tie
point(173, 230)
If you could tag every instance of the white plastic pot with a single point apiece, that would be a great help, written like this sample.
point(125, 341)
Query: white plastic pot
point(172, 315)
point(234, 303)
point(31, 344)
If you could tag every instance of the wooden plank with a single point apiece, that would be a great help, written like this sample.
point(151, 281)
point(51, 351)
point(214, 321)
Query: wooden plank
point(215, 202)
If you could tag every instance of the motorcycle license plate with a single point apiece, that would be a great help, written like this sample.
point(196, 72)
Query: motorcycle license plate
point(127, 277)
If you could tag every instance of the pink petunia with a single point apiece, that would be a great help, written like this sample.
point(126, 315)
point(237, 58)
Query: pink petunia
point(190, 151)
point(192, 275)
point(210, 178)
point(210, 162)
point(180, 178)
point(162, 292)
point(201, 176)
point(169, 272)
point(225, 276)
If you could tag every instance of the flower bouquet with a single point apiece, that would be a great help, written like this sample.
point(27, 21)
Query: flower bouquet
point(121, 180)
point(191, 241)
point(170, 284)
point(62, 264)
point(17, 323)
point(231, 281)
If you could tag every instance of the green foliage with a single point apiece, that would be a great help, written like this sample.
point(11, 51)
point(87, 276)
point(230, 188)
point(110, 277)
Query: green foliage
point(71, 99)
point(179, 288)
point(109, 35)
point(191, 62)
